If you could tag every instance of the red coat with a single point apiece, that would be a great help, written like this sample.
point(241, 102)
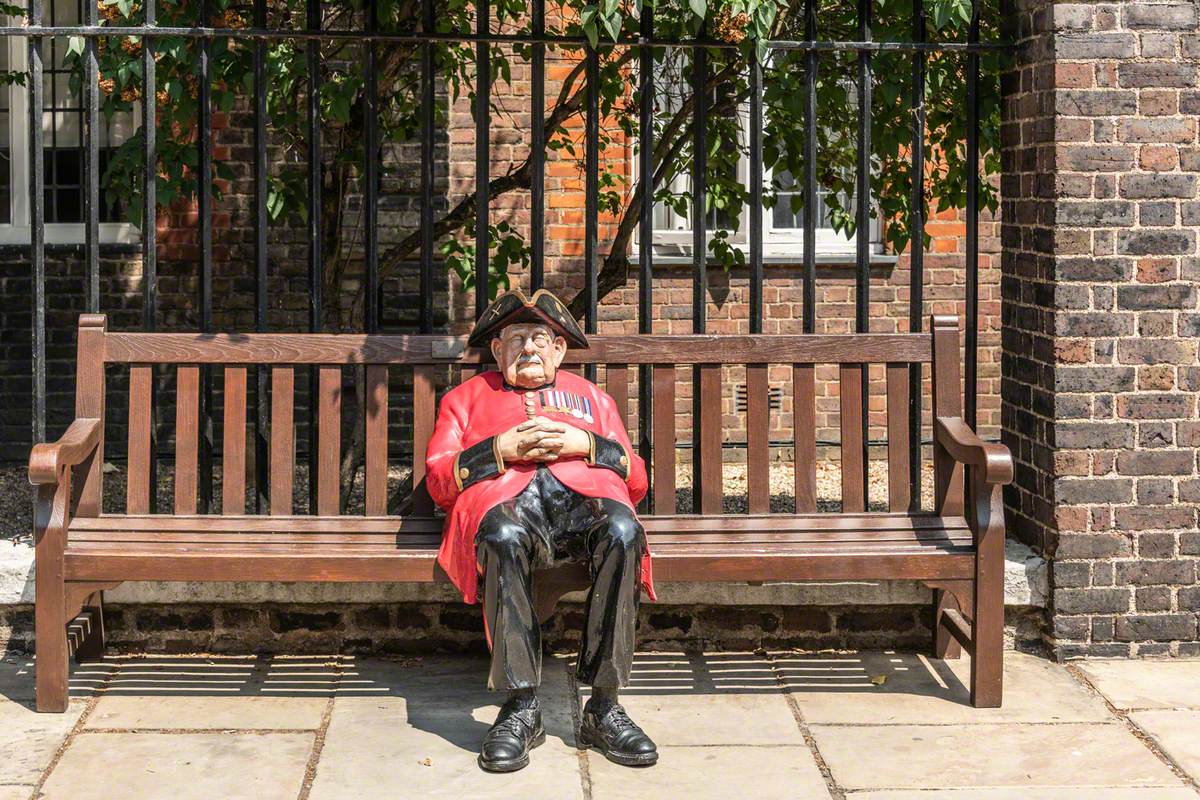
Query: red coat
point(482, 407)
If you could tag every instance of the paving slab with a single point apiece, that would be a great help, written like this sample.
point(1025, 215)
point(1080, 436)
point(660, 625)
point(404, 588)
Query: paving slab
point(412, 728)
point(216, 693)
point(15, 792)
point(29, 740)
point(1043, 793)
point(1144, 683)
point(1177, 733)
point(715, 699)
point(981, 756)
point(897, 688)
point(187, 766)
point(776, 773)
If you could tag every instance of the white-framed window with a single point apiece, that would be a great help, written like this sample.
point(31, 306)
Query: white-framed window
point(63, 155)
point(783, 229)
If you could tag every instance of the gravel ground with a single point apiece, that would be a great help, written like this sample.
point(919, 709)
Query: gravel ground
point(16, 495)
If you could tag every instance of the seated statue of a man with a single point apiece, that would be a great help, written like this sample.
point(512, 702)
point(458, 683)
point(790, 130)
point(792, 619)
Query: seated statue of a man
point(534, 468)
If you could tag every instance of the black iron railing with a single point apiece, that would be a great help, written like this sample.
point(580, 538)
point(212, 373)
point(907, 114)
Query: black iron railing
point(258, 35)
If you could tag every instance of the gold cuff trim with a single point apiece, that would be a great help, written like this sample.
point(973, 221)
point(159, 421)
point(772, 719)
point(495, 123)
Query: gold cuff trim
point(591, 459)
point(625, 461)
point(458, 474)
point(496, 452)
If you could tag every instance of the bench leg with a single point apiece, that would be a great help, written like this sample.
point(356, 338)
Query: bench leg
point(50, 628)
point(987, 630)
point(944, 645)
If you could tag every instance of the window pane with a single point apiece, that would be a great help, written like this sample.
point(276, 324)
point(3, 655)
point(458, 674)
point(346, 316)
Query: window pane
point(782, 216)
point(672, 86)
point(63, 122)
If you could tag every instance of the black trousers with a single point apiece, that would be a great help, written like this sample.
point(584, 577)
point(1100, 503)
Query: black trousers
point(545, 525)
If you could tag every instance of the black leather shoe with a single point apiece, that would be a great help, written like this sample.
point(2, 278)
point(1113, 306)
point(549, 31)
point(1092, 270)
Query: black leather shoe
point(517, 730)
point(613, 733)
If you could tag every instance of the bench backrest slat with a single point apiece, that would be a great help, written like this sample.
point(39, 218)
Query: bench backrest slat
point(187, 437)
point(758, 444)
point(424, 414)
point(804, 436)
point(353, 348)
point(141, 411)
point(898, 437)
point(947, 402)
point(375, 469)
point(283, 439)
point(233, 462)
point(664, 438)
point(88, 479)
point(616, 383)
point(329, 439)
point(707, 481)
point(850, 388)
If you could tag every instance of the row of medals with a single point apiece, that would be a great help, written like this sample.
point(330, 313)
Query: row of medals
point(582, 412)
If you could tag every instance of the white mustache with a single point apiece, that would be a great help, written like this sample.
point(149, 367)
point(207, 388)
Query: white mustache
point(529, 358)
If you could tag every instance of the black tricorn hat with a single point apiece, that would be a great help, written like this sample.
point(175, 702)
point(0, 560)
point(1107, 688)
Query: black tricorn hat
point(513, 307)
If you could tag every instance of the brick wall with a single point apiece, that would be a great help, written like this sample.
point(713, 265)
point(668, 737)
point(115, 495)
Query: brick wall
point(450, 627)
point(1099, 285)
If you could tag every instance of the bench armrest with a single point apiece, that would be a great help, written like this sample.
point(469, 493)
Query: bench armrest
point(965, 447)
point(48, 460)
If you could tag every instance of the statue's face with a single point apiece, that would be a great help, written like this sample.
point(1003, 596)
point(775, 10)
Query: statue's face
point(528, 354)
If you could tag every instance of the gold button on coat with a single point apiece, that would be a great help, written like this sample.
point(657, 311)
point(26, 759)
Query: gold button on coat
point(624, 461)
point(464, 473)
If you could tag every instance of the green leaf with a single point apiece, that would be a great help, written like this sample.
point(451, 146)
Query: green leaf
point(75, 46)
point(699, 7)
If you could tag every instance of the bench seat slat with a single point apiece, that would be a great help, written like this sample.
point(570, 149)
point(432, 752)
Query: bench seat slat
point(418, 564)
point(385, 550)
point(766, 538)
point(681, 523)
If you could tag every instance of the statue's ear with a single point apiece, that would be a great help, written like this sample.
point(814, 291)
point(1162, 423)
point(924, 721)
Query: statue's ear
point(560, 351)
point(495, 346)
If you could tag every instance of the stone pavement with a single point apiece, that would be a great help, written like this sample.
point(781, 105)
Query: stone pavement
point(864, 726)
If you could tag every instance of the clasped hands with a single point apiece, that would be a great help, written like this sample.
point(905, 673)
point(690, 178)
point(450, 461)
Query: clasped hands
point(542, 439)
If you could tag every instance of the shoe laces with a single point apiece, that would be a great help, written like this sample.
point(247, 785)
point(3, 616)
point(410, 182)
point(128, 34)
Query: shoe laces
point(617, 719)
point(513, 719)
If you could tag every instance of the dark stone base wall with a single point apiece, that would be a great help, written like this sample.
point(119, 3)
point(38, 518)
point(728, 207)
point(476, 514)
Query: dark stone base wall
point(425, 628)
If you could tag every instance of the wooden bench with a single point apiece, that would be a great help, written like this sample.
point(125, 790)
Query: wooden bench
point(957, 548)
